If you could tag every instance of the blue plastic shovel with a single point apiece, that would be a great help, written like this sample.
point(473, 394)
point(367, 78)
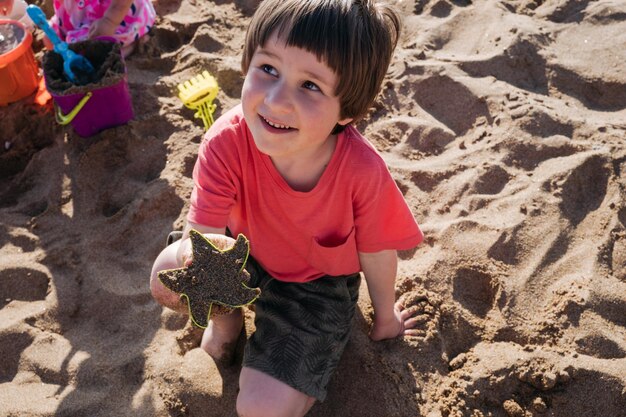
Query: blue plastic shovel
point(71, 60)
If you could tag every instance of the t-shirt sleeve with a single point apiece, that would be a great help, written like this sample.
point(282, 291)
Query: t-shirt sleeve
point(214, 176)
point(383, 220)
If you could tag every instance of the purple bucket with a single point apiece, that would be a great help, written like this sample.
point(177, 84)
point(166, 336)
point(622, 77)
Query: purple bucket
point(101, 103)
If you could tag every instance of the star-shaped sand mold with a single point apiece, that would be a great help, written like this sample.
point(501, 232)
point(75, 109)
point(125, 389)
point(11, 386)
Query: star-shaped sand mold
point(214, 276)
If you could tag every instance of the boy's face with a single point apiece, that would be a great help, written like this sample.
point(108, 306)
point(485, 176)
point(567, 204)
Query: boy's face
point(289, 101)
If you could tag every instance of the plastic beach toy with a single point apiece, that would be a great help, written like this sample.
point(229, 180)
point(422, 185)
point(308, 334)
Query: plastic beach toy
point(19, 74)
point(198, 94)
point(104, 102)
point(71, 60)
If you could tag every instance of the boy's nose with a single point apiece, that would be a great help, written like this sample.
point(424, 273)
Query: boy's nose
point(279, 97)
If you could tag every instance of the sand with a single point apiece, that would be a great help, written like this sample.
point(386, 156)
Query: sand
point(503, 123)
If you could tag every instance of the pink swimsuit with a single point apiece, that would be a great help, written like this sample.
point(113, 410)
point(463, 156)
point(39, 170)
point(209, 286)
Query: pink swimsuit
point(73, 18)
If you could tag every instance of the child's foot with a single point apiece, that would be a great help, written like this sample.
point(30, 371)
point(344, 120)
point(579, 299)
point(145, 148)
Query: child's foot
point(220, 337)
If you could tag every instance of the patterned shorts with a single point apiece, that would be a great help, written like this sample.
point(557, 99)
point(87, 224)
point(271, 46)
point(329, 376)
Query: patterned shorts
point(301, 328)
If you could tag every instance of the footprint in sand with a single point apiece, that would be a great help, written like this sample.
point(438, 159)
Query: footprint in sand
point(17, 285)
point(12, 344)
point(540, 121)
point(475, 290)
point(600, 346)
point(528, 154)
point(584, 188)
point(520, 63)
point(23, 284)
point(509, 246)
point(491, 180)
point(458, 115)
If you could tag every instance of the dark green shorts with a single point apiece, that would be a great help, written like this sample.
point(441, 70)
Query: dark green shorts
point(301, 328)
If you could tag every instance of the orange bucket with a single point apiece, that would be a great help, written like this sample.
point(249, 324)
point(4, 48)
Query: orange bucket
point(19, 74)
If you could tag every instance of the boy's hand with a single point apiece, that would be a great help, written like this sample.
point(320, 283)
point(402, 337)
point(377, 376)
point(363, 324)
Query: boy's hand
point(400, 323)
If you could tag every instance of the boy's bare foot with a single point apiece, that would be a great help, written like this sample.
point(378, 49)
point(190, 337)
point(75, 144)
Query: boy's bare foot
point(220, 337)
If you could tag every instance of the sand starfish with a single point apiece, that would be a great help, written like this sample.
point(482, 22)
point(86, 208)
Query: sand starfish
point(213, 276)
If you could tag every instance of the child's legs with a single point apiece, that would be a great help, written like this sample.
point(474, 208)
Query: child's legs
point(262, 395)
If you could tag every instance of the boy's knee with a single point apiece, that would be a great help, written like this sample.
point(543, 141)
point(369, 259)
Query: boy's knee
point(164, 296)
point(244, 405)
point(165, 260)
point(250, 405)
point(256, 404)
point(157, 290)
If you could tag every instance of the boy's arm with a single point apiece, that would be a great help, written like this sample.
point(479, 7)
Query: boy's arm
point(202, 229)
point(390, 317)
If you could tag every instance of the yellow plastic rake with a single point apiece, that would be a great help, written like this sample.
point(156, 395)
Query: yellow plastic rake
point(198, 94)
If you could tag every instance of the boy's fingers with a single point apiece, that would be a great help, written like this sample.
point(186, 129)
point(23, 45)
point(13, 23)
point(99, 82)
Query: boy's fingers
point(408, 312)
point(410, 323)
point(187, 258)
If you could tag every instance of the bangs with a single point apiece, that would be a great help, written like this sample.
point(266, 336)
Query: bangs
point(321, 32)
point(306, 25)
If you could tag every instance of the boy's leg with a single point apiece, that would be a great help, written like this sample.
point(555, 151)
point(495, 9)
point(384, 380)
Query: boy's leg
point(165, 297)
point(262, 395)
point(220, 337)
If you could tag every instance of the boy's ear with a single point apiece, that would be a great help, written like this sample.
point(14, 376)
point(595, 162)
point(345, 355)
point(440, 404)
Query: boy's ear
point(344, 122)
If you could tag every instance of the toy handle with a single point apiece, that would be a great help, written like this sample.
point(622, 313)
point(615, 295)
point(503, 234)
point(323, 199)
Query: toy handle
point(64, 119)
point(39, 18)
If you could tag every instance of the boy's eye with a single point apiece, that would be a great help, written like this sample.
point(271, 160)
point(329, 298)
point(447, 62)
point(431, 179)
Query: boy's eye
point(311, 86)
point(269, 69)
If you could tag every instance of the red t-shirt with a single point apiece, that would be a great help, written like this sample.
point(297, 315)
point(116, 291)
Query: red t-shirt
point(300, 236)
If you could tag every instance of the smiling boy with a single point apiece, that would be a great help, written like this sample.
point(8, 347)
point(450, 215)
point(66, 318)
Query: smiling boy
point(287, 169)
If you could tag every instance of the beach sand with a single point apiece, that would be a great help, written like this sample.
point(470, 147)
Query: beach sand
point(503, 123)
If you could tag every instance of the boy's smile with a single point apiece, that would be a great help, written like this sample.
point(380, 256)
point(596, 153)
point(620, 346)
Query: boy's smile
point(289, 102)
point(275, 125)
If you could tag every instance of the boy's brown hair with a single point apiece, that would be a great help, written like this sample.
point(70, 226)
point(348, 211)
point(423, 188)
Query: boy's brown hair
point(355, 38)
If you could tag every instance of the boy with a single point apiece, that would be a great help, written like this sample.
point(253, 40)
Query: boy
point(287, 169)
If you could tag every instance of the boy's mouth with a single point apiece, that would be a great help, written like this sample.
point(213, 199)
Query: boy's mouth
point(276, 125)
